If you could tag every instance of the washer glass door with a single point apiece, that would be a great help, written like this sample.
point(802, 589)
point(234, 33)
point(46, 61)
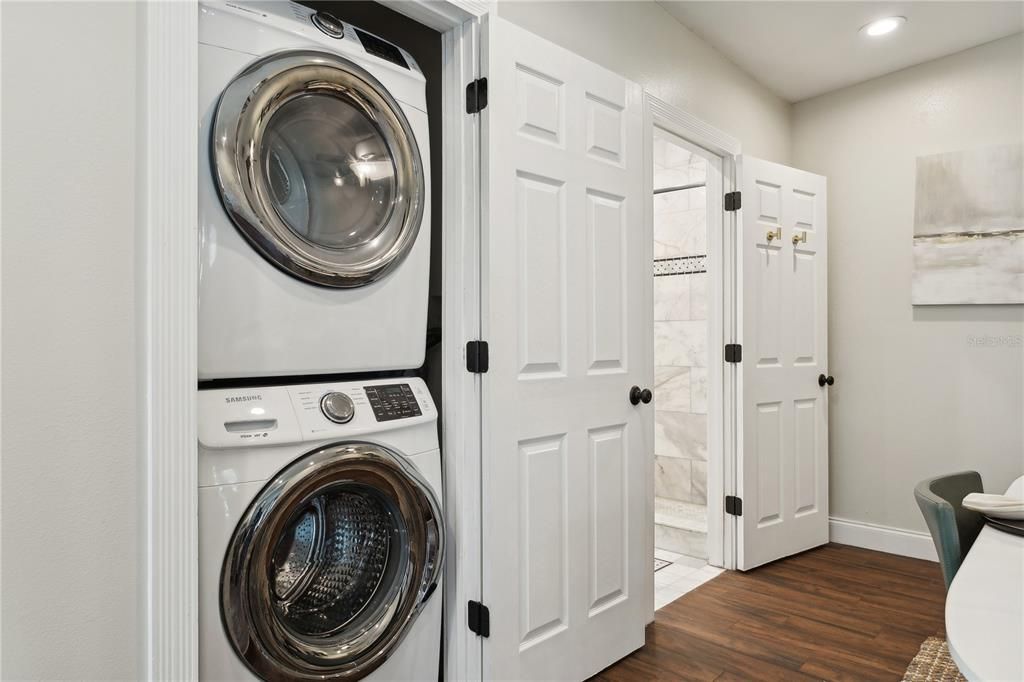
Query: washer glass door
point(331, 564)
point(318, 168)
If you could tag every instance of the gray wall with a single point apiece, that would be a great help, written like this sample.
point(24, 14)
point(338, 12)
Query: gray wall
point(914, 395)
point(70, 512)
point(643, 42)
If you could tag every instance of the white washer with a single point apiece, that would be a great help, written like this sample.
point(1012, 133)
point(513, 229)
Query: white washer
point(320, 530)
point(314, 196)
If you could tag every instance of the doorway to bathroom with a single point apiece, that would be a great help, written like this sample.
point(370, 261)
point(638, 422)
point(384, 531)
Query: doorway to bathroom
point(686, 203)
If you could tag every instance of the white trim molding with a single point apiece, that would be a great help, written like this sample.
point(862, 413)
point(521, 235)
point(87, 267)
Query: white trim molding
point(167, 281)
point(691, 128)
point(909, 543)
point(440, 16)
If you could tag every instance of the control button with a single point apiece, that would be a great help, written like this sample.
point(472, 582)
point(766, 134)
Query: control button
point(337, 407)
point(329, 24)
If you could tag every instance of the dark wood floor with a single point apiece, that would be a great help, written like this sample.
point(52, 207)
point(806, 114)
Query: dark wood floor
point(834, 613)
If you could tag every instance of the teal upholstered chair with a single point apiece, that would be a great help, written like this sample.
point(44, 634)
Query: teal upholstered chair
point(953, 527)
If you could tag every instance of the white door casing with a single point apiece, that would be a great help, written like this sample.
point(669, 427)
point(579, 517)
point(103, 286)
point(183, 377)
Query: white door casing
point(722, 265)
point(564, 270)
point(783, 449)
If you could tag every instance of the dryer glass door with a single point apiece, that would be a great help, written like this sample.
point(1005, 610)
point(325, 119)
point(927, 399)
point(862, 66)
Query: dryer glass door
point(331, 564)
point(318, 168)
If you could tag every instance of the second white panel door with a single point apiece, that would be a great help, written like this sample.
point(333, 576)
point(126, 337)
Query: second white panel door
point(783, 463)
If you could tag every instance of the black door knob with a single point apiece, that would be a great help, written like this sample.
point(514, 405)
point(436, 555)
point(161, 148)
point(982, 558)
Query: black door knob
point(822, 380)
point(634, 395)
point(646, 396)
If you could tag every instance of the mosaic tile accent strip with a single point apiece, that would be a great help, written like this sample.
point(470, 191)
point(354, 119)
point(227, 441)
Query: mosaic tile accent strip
point(683, 265)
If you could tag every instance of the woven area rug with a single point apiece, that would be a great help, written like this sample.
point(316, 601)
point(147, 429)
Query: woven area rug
point(933, 664)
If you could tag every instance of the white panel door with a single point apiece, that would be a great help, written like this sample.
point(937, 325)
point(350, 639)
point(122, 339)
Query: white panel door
point(564, 527)
point(783, 463)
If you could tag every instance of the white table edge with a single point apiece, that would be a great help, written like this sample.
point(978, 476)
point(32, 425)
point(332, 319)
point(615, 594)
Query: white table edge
point(1016, 488)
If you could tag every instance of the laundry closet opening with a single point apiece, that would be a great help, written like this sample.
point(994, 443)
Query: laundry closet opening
point(682, 270)
point(322, 534)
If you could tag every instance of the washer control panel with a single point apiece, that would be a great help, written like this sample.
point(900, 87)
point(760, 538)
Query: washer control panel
point(272, 415)
point(392, 401)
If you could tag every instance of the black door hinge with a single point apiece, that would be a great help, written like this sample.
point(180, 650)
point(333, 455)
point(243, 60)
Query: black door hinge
point(733, 505)
point(477, 357)
point(733, 352)
point(732, 201)
point(476, 96)
point(479, 619)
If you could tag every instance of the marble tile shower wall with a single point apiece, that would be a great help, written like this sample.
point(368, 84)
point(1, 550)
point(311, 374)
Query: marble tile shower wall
point(680, 330)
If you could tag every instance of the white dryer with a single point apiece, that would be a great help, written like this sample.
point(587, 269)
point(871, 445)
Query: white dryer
point(321, 535)
point(313, 196)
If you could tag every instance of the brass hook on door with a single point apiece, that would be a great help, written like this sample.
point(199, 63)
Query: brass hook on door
point(802, 237)
point(775, 234)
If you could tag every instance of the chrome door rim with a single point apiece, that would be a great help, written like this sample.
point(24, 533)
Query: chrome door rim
point(244, 111)
point(257, 636)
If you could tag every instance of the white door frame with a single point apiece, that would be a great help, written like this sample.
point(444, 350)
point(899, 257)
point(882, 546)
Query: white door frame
point(722, 308)
point(167, 266)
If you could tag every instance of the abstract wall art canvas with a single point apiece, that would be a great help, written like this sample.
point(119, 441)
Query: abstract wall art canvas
point(969, 227)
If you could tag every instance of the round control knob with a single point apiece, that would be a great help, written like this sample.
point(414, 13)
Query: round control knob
point(329, 24)
point(337, 407)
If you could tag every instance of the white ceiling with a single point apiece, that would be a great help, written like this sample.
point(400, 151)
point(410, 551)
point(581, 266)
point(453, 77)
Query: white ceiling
point(803, 49)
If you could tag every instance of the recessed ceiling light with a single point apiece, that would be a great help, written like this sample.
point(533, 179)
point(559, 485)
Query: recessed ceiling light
point(882, 26)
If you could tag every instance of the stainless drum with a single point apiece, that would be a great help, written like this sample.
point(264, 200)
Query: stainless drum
point(331, 564)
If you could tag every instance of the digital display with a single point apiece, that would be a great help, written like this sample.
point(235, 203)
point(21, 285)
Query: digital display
point(382, 49)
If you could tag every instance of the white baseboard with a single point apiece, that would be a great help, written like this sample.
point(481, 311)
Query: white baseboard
point(909, 543)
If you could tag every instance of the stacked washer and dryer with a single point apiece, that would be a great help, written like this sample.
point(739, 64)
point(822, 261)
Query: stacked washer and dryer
point(321, 533)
